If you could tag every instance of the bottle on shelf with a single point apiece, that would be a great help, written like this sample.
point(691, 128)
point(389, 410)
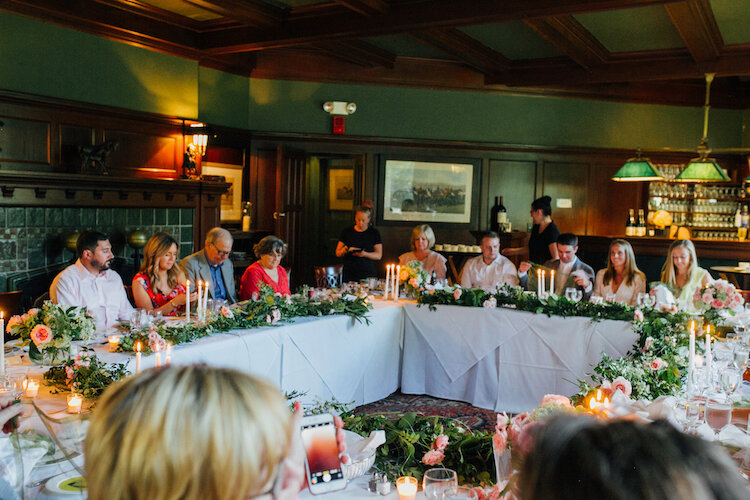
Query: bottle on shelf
point(738, 217)
point(641, 228)
point(246, 216)
point(498, 215)
point(745, 220)
point(630, 226)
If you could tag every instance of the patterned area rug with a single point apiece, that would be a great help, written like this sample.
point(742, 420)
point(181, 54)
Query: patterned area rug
point(471, 416)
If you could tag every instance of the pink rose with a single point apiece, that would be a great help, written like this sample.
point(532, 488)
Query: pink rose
point(623, 385)
point(441, 442)
point(524, 441)
point(80, 361)
point(556, 399)
point(33, 312)
point(13, 321)
point(226, 312)
point(647, 344)
point(490, 303)
point(606, 388)
point(457, 293)
point(516, 425)
point(717, 304)
point(433, 457)
point(413, 282)
point(502, 421)
point(275, 315)
point(499, 441)
point(41, 335)
point(707, 296)
point(481, 495)
point(658, 364)
point(69, 373)
point(638, 315)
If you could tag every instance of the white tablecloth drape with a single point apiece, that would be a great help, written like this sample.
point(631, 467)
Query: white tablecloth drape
point(502, 359)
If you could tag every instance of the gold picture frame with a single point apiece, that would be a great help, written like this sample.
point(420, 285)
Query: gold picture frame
point(231, 201)
point(341, 189)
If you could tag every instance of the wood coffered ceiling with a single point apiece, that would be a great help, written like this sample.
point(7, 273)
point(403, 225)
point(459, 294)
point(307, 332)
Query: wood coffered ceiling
point(482, 45)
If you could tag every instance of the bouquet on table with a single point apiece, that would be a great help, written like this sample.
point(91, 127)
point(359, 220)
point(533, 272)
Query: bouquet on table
point(414, 278)
point(717, 301)
point(49, 331)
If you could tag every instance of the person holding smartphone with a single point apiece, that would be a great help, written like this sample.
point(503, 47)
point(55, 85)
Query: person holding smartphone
point(360, 246)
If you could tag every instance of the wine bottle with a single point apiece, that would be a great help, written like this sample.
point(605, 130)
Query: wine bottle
point(641, 223)
point(494, 217)
point(630, 226)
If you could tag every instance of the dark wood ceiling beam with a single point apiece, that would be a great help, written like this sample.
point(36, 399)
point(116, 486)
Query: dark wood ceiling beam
point(697, 26)
point(404, 18)
point(365, 7)
point(251, 12)
point(359, 52)
point(465, 48)
point(571, 38)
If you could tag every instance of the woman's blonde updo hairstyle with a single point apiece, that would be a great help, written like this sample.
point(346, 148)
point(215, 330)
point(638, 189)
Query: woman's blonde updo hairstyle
point(190, 432)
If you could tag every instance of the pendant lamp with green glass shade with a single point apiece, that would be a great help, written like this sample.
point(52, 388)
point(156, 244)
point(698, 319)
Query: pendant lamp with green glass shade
point(703, 168)
point(638, 169)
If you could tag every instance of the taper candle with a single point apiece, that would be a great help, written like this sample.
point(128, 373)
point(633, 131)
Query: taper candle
point(187, 300)
point(552, 282)
point(137, 358)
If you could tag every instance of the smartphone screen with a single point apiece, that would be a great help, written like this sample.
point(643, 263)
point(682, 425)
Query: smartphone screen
point(321, 449)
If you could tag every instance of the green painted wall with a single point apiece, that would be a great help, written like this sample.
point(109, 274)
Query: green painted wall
point(44, 59)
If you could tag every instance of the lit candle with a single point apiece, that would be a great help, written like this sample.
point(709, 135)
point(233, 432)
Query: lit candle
point(187, 300)
point(539, 282)
point(114, 342)
point(200, 296)
point(691, 358)
point(544, 276)
point(552, 282)
point(75, 401)
point(137, 358)
point(406, 487)
point(2, 347)
point(387, 279)
point(397, 284)
point(205, 299)
point(157, 353)
point(30, 387)
point(708, 356)
point(168, 356)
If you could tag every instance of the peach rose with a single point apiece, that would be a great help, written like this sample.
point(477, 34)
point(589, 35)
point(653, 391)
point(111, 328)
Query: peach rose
point(623, 385)
point(658, 364)
point(638, 315)
point(226, 312)
point(441, 442)
point(41, 335)
point(433, 457)
point(557, 400)
point(413, 282)
point(499, 441)
point(13, 321)
point(457, 293)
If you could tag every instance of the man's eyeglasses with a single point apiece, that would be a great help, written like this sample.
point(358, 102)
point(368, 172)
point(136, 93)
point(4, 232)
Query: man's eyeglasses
point(221, 253)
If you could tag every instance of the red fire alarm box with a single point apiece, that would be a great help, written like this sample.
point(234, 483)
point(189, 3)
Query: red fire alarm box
point(338, 124)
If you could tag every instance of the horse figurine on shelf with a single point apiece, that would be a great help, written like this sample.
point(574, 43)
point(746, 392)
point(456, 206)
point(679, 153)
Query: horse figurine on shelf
point(94, 158)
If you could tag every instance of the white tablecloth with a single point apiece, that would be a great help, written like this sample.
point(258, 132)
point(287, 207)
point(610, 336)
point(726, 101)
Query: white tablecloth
point(502, 359)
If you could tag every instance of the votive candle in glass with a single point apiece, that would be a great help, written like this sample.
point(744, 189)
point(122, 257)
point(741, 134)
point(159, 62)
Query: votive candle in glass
point(114, 342)
point(75, 401)
point(30, 387)
point(406, 487)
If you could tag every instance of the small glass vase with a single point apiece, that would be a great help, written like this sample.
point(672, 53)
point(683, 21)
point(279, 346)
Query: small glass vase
point(503, 466)
point(48, 356)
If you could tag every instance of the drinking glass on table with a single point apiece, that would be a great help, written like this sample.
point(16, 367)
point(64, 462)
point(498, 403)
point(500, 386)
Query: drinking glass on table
point(573, 294)
point(611, 297)
point(459, 493)
point(718, 412)
point(438, 481)
point(730, 378)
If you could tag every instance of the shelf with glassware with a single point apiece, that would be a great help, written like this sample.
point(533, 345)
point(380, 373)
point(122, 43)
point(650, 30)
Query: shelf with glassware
point(710, 211)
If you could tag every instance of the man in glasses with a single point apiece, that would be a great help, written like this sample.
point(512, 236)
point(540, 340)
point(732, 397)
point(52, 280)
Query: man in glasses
point(212, 264)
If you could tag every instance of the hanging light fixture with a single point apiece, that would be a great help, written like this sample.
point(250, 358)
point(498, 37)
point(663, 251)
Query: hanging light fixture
point(638, 169)
point(703, 168)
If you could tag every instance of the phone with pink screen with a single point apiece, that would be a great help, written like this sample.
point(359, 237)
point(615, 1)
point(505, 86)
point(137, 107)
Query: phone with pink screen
point(322, 464)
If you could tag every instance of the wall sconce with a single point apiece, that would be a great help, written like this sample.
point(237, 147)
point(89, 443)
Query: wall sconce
point(200, 137)
point(339, 110)
point(197, 134)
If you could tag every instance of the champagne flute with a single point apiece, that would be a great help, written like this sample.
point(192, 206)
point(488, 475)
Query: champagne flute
point(718, 412)
point(437, 481)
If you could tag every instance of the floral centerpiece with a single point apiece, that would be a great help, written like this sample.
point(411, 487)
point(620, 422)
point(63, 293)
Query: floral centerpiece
point(49, 331)
point(414, 278)
point(717, 300)
point(85, 374)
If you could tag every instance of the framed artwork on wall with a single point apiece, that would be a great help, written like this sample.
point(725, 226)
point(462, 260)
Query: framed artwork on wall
point(231, 201)
point(440, 191)
point(341, 189)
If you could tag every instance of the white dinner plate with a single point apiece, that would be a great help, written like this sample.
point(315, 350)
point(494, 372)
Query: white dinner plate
point(69, 484)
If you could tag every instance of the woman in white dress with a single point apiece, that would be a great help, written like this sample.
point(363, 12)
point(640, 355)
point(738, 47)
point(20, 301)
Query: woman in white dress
point(422, 240)
point(682, 274)
point(621, 277)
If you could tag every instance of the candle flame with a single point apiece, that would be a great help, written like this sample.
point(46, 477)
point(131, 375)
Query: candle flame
point(137, 347)
point(598, 394)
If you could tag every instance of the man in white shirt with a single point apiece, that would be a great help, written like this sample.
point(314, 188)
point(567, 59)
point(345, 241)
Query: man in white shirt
point(490, 270)
point(92, 284)
point(570, 272)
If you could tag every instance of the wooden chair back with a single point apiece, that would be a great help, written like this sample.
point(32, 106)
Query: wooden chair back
point(329, 276)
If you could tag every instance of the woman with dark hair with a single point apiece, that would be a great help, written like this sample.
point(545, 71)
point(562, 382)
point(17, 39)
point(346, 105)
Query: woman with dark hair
point(360, 246)
point(266, 270)
point(544, 233)
point(159, 285)
point(581, 458)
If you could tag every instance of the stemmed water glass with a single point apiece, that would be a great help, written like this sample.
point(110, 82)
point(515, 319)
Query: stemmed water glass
point(718, 412)
point(645, 300)
point(573, 294)
point(438, 481)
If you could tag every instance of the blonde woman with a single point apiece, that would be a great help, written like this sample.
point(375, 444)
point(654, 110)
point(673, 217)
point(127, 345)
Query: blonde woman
point(422, 241)
point(621, 277)
point(193, 432)
point(159, 285)
point(681, 272)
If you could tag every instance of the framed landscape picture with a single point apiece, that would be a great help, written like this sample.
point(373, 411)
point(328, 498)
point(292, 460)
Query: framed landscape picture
point(231, 201)
point(341, 189)
point(428, 191)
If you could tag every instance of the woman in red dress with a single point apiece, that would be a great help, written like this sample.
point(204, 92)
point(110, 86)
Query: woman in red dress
point(266, 270)
point(159, 286)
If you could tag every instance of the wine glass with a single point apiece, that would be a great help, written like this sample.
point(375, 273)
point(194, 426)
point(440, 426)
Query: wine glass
point(642, 299)
point(459, 493)
point(718, 412)
point(730, 378)
point(739, 357)
point(437, 481)
point(570, 293)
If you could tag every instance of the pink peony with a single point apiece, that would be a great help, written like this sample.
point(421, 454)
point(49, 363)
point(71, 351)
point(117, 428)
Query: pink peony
point(433, 457)
point(13, 321)
point(658, 364)
point(41, 335)
point(623, 385)
point(638, 315)
point(557, 400)
point(500, 441)
point(441, 442)
point(457, 293)
point(226, 312)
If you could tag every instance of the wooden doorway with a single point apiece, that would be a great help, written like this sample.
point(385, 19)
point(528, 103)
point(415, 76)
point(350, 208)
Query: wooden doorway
point(289, 213)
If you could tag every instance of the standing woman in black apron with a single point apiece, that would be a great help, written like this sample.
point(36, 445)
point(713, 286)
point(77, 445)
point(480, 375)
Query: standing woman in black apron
point(360, 246)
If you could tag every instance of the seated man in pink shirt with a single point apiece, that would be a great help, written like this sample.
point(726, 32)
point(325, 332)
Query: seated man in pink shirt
point(91, 283)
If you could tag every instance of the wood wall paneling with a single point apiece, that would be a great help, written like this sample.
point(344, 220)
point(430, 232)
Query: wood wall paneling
point(562, 180)
point(72, 136)
point(25, 143)
point(263, 188)
point(609, 201)
point(515, 181)
point(138, 154)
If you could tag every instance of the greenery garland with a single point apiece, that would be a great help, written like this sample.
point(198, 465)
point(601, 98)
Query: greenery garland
point(269, 309)
point(85, 374)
